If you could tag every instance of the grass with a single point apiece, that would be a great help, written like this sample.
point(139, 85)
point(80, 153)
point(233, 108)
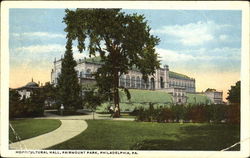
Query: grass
point(28, 128)
point(126, 135)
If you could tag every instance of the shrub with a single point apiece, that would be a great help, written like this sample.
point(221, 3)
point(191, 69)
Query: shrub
point(233, 113)
point(30, 107)
point(165, 115)
point(196, 113)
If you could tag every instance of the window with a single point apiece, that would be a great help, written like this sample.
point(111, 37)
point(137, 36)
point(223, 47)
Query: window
point(127, 81)
point(161, 82)
point(152, 83)
point(143, 84)
point(138, 81)
point(133, 82)
point(147, 84)
point(122, 81)
point(88, 73)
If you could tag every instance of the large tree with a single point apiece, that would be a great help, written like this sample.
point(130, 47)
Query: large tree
point(68, 85)
point(234, 93)
point(122, 40)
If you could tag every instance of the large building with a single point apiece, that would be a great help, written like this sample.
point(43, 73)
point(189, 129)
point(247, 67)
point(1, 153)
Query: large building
point(164, 80)
point(214, 95)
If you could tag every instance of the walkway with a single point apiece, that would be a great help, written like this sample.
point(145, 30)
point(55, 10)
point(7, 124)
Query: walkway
point(67, 130)
point(70, 127)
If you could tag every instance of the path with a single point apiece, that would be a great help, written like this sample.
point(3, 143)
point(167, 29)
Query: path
point(67, 130)
point(70, 127)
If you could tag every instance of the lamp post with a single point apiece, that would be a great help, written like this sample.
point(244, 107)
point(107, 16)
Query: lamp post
point(61, 109)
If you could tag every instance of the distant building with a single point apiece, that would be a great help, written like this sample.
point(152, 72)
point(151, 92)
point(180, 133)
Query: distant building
point(171, 82)
point(214, 95)
point(25, 91)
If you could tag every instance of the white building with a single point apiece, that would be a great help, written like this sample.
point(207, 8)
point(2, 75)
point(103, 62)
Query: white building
point(214, 96)
point(25, 91)
point(165, 80)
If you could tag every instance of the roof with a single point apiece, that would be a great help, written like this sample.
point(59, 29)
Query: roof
point(95, 60)
point(142, 96)
point(31, 85)
point(197, 99)
point(178, 76)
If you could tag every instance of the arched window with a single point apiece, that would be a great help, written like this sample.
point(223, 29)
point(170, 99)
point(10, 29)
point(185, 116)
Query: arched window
point(133, 82)
point(88, 73)
point(138, 82)
point(143, 85)
point(152, 83)
point(122, 81)
point(147, 84)
point(127, 81)
point(161, 82)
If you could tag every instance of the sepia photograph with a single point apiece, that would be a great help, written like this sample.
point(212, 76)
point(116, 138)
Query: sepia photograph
point(108, 80)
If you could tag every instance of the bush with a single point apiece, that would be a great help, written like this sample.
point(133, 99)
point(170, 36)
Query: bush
point(30, 107)
point(233, 113)
point(197, 113)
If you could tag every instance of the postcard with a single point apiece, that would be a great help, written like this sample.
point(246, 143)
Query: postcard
point(125, 79)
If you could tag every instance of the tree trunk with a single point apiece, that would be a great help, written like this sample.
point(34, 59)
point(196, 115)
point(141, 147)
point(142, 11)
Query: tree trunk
point(116, 95)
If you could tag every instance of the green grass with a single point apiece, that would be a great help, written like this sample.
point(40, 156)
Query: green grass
point(126, 135)
point(28, 128)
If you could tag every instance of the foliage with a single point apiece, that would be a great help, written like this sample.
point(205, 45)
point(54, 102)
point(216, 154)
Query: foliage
point(122, 41)
point(234, 93)
point(27, 107)
point(15, 104)
point(129, 134)
point(196, 113)
point(28, 128)
point(68, 85)
point(233, 114)
point(92, 99)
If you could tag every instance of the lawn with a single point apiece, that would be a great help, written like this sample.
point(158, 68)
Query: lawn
point(126, 135)
point(28, 128)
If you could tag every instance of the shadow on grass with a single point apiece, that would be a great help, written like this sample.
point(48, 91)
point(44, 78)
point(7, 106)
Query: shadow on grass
point(207, 137)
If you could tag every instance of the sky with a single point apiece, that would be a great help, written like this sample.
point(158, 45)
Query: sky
point(203, 44)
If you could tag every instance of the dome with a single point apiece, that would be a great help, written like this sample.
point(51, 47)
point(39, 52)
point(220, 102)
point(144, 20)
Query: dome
point(32, 84)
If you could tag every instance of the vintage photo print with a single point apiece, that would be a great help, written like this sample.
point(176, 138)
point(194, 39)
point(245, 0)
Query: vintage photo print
point(125, 79)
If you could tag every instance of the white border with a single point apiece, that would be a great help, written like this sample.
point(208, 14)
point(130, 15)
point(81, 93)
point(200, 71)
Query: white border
point(194, 5)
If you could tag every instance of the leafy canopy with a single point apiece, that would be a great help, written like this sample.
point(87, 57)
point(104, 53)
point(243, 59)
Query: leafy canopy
point(121, 40)
point(234, 93)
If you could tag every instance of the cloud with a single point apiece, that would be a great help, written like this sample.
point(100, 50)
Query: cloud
point(40, 55)
point(224, 53)
point(192, 34)
point(40, 48)
point(38, 34)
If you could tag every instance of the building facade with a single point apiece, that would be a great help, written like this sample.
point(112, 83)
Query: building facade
point(215, 96)
point(165, 80)
point(26, 91)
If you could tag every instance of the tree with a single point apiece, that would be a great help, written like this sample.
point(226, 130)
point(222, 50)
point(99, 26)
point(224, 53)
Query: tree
point(234, 93)
point(123, 42)
point(92, 99)
point(68, 85)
